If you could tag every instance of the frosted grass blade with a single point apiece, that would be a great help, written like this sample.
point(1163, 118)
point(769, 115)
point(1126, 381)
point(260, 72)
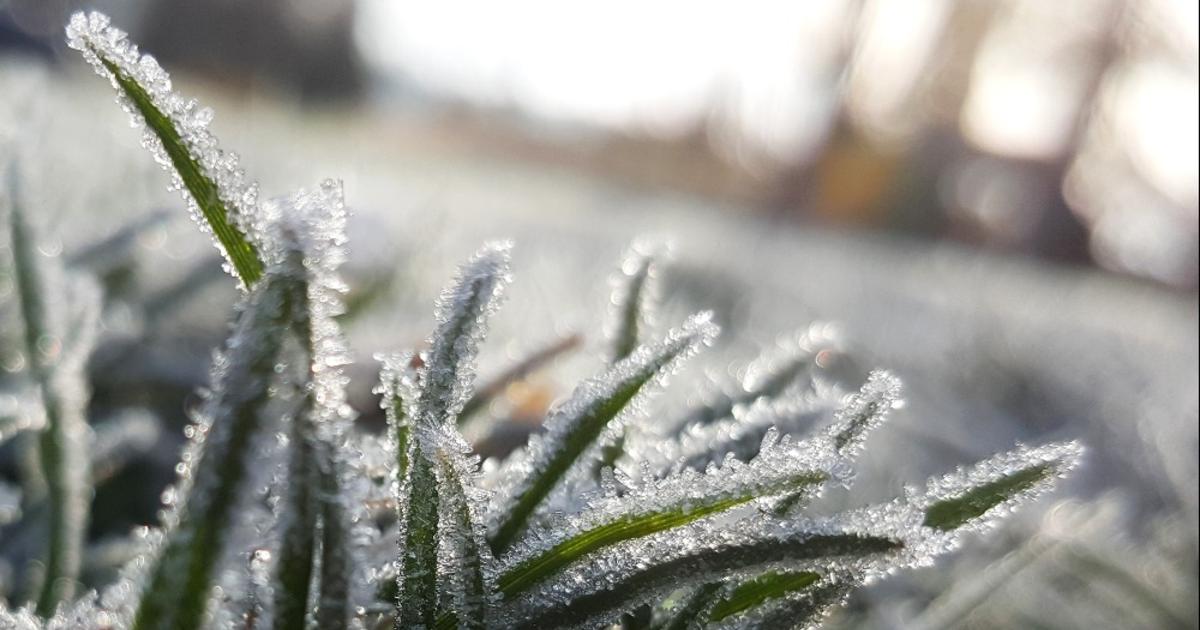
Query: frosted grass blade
point(310, 234)
point(448, 374)
point(465, 556)
point(684, 614)
point(782, 468)
point(423, 405)
point(298, 520)
point(177, 134)
point(176, 593)
point(970, 498)
point(694, 563)
point(781, 601)
point(770, 374)
point(56, 353)
point(634, 296)
point(753, 592)
point(865, 411)
point(575, 426)
point(333, 593)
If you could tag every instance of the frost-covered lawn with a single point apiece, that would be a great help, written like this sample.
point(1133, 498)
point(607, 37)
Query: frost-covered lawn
point(991, 351)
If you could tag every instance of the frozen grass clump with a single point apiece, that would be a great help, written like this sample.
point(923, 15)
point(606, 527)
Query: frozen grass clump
point(285, 515)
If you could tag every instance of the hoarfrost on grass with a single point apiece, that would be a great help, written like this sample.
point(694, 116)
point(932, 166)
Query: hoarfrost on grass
point(113, 56)
point(576, 430)
point(408, 528)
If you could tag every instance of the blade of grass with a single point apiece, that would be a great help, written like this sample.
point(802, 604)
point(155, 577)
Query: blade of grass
point(754, 592)
point(632, 300)
point(674, 502)
point(469, 589)
point(176, 593)
point(685, 613)
point(576, 425)
point(333, 594)
point(297, 543)
point(699, 566)
point(417, 605)
point(967, 497)
point(62, 483)
point(109, 51)
point(801, 608)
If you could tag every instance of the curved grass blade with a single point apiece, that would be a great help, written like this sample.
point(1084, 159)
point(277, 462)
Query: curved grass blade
point(176, 593)
point(448, 374)
point(633, 299)
point(693, 563)
point(575, 426)
point(753, 592)
point(56, 355)
point(781, 600)
point(781, 469)
point(417, 605)
point(177, 133)
point(438, 391)
point(865, 411)
point(968, 497)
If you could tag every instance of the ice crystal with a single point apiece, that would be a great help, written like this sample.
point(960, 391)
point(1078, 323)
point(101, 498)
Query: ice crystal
point(59, 312)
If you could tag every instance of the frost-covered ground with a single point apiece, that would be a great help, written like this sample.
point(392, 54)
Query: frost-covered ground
point(991, 350)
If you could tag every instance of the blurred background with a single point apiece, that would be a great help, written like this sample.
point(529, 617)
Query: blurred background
point(996, 198)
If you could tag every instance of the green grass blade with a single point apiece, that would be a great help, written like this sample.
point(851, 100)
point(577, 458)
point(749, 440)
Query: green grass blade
point(800, 607)
point(211, 178)
point(633, 299)
point(865, 411)
point(176, 594)
point(447, 377)
point(754, 592)
point(297, 545)
point(417, 605)
point(576, 425)
point(769, 374)
point(468, 590)
point(780, 469)
point(333, 593)
point(967, 497)
point(55, 363)
point(699, 565)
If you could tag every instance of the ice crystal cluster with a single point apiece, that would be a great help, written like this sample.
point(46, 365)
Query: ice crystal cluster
point(285, 515)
